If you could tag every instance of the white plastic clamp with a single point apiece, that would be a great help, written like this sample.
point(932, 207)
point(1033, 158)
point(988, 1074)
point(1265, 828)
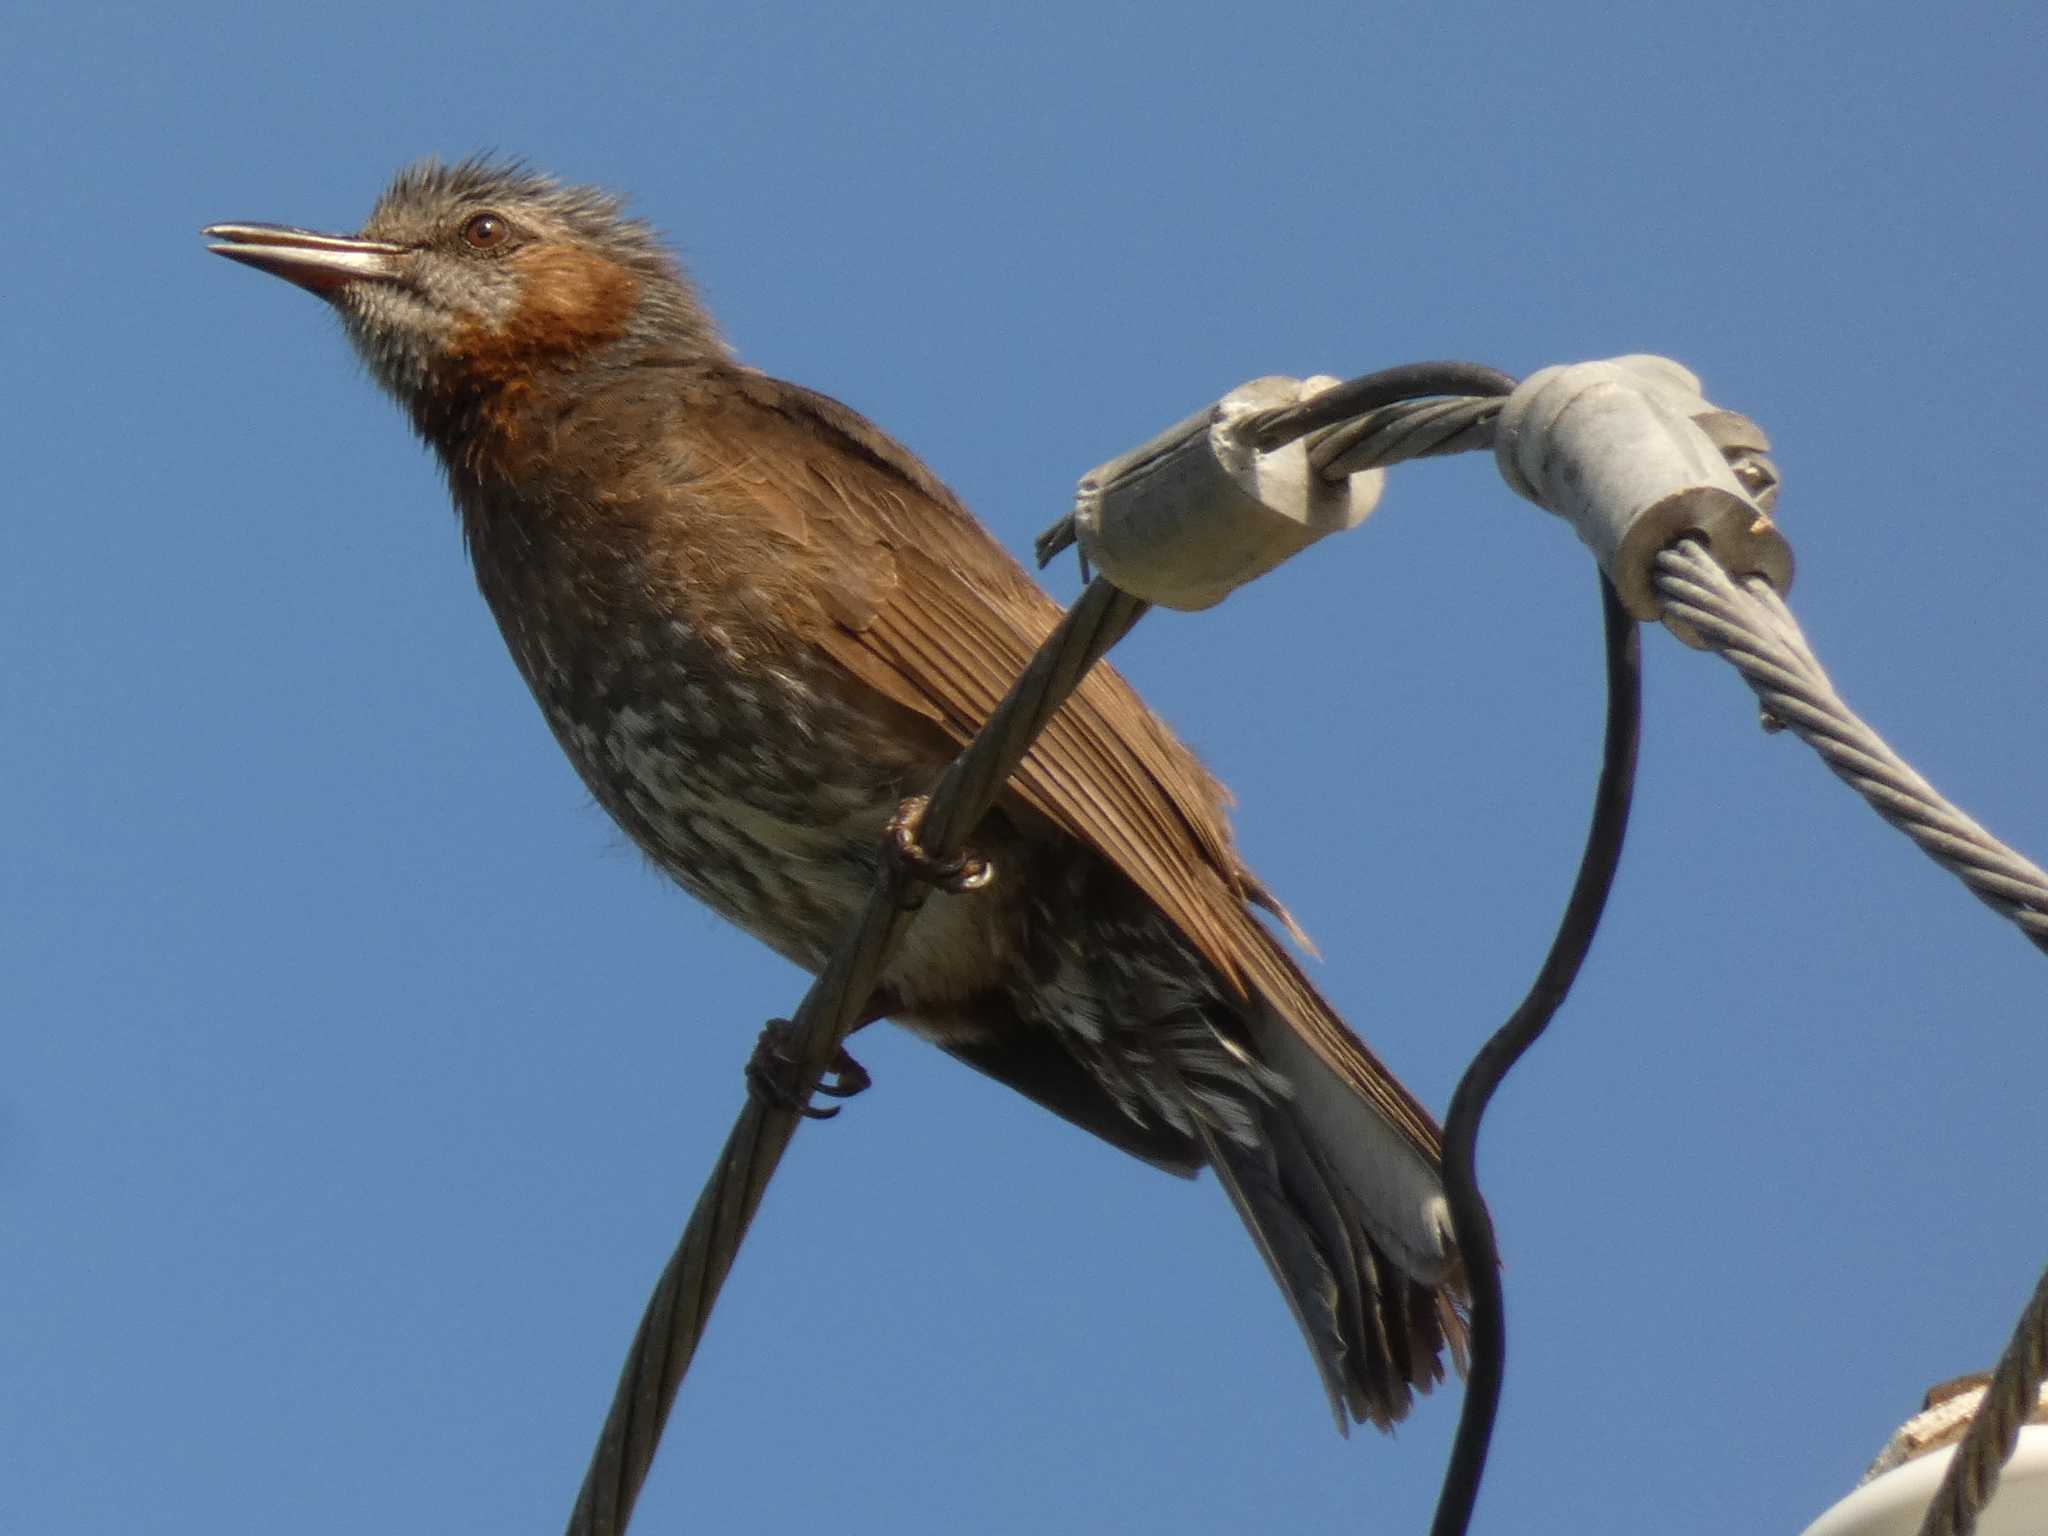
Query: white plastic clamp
point(1633, 456)
point(1195, 513)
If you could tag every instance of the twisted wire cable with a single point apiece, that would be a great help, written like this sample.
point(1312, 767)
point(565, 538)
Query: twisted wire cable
point(1749, 625)
point(676, 1314)
point(2009, 1402)
point(1270, 429)
point(1394, 434)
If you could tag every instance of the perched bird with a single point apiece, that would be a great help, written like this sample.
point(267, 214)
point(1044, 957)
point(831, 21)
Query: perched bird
point(757, 625)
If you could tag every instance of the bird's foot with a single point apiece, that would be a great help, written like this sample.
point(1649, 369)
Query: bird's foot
point(955, 876)
point(771, 1072)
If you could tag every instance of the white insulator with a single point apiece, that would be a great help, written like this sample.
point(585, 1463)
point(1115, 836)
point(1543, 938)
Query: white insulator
point(1626, 451)
point(1895, 1502)
point(1197, 512)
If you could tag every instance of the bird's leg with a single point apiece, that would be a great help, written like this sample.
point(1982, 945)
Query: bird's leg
point(955, 876)
point(771, 1066)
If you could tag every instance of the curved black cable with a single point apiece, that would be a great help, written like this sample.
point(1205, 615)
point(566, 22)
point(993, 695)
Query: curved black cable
point(1271, 429)
point(1469, 1219)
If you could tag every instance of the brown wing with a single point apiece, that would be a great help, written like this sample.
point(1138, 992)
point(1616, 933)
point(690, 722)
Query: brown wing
point(925, 608)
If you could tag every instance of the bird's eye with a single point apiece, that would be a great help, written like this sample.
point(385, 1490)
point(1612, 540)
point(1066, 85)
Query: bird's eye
point(486, 232)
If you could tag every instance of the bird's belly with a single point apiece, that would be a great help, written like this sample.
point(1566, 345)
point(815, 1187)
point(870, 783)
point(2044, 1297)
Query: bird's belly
point(754, 794)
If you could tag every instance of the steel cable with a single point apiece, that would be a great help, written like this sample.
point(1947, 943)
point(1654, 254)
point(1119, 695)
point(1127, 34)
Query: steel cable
point(1749, 625)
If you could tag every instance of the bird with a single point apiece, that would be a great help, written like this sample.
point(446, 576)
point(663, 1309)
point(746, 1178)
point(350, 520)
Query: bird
point(759, 627)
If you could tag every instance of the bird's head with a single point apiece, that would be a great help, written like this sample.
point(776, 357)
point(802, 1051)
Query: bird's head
point(480, 277)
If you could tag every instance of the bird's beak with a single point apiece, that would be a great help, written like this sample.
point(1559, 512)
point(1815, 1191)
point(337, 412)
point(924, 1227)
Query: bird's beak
point(322, 264)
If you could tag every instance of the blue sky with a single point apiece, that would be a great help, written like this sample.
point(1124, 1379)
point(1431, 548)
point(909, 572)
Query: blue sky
point(355, 1078)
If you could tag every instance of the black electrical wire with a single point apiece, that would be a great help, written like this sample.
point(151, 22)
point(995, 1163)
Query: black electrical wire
point(1470, 1222)
point(1274, 428)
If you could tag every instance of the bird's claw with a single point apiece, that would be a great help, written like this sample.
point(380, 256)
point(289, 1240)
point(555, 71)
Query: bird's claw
point(771, 1068)
point(849, 1078)
point(955, 876)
